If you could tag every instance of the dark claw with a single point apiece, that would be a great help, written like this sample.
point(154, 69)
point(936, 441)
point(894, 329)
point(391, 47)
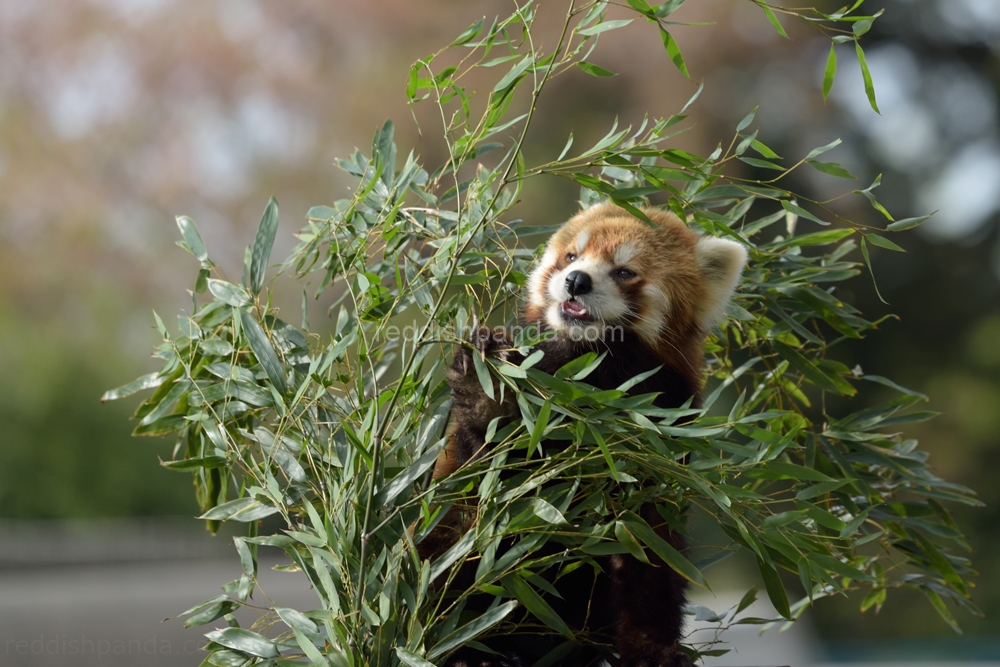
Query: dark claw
point(486, 341)
point(462, 359)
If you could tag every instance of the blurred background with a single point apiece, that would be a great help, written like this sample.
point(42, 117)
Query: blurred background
point(116, 115)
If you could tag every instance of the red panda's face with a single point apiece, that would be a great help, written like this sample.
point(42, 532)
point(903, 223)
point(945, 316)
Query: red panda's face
point(606, 273)
point(598, 280)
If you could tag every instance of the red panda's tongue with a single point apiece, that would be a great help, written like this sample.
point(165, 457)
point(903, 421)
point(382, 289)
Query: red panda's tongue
point(574, 308)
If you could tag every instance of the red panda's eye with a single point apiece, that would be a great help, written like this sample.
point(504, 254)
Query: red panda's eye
point(570, 257)
point(625, 273)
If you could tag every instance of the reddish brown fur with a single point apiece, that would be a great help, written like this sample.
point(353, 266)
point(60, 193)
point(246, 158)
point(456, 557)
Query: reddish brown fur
point(667, 259)
point(677, 288)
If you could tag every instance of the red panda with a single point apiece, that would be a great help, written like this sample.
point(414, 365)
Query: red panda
point(647, 295)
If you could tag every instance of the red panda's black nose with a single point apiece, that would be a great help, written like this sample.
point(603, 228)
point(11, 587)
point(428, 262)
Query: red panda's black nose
point(578, 282)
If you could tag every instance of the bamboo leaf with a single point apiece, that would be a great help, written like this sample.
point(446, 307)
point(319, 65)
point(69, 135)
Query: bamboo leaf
point(763, 164)
point(941, 564)
point(515, 73)
point(593, 70)
point(228, 293)
point(404, 479)
point(830, 71)
point(867, 76)
point(565, 150)
point(667, 553)
point(831, 168)
point(313, 653)
point(149, 381)
point(674, 51)
point(883, 242)
point(541, 423)
point(668, 8)
point(412, 660)
point(816, 152)
point(472, 629)
point(535, 604)
point(192, 238)
point(241, 509)
point(470, 34)
point(627, 540)
point(262, 349)
point(799, 211)
point(547, 512)
point(868, 263)
point(908, 223)
point(604, 27)
point(745, 122)
point(813, 372)
point(641, 6)
point(775, 589)
point(262, 244)
point(483, 374)
point(940, 608)
point(763, 150)
point(187, 465)
point(603, 445)
point(244, 640)
point(209, 611)
point(769, 13)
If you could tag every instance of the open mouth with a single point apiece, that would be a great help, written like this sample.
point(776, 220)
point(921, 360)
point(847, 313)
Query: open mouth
point(575, 310)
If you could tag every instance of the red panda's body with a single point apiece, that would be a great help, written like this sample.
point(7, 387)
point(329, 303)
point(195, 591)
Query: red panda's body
point(647, 296)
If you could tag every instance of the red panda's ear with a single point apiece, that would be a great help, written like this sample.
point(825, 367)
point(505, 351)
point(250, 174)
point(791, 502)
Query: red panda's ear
point(720, 263)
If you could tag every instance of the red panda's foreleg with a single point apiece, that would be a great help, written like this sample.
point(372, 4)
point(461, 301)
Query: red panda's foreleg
point(471, 413)
point(649, 601)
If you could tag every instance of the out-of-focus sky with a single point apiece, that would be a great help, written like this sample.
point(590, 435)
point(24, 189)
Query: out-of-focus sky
point(116, 115)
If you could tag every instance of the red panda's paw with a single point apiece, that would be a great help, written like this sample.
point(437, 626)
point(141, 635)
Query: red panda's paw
point(488, 342)
point(472, 409)
point(491, 341)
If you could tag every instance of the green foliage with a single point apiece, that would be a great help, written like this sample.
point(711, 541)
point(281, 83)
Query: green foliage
point(335, 439)
point(62, 456)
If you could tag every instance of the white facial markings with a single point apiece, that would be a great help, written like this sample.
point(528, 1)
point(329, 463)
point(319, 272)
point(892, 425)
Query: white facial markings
point(536, 288)
point(581, 241)
point(625, 253)
point(651, 323)
point(554, 319)
point(649, 328)
point(657, 299)
point(604, 302)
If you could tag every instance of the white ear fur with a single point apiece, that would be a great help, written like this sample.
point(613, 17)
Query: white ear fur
point(720, 263)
